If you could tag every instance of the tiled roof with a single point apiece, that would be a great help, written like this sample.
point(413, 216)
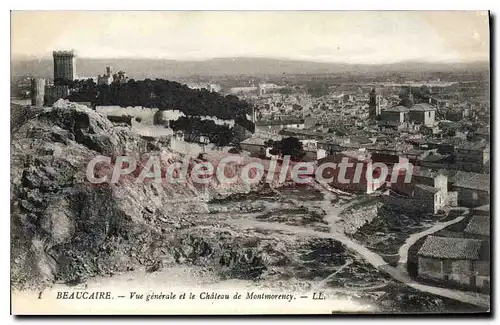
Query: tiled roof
point(279, 122)
point(397, 109)
point(426, 172)
point(254, 141)
point(479, 225)
point(476, 146)
point(427, 188)
point(304, 132)
point(470, 180)
point(422, 107)
point(482, 131)
point(450, 248)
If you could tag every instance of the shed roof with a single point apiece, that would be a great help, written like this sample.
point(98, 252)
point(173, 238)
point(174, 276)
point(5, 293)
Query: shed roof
point(397, 109)
point(254, 141)
point(470, 180)
point(279, 122)
point(451, 248)
point(427, 172)
point(478, 225)
point(427, 188)
point(422, 107)
point(474, 146)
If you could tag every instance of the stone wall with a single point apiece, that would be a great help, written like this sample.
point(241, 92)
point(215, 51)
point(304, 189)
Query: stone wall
point(452, 199)
point(145, 114)
point(472, 198)
point(430, 268)
point(357, 217)
point(461, 271)
point(188, 148)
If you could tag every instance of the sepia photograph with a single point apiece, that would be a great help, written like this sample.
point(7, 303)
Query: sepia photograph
point(250, 162)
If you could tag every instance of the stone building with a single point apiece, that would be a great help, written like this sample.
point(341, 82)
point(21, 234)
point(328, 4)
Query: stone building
point(53, 93)
point(374, 109)
point(274, 126)
point(107, 78)
point(37, 92)
point(398, 114)
point(120, 77)
point(423, 114)
point(462, 261)
point(479, 227)
point(435, 179)
point(64, 67)
point(473, 189)
point(428, 198)
point(394, 118)
point(255, 146)
point(473, 157)
point(427, 192)
point(422, 200)
point(359, 177)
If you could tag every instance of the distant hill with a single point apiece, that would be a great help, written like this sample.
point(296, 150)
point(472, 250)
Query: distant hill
point(160, 68)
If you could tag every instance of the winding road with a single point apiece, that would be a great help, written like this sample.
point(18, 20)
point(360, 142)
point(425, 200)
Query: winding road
point(403, 250)
point(398, 273)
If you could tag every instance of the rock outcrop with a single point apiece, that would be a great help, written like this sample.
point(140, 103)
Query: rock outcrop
point(65, 228)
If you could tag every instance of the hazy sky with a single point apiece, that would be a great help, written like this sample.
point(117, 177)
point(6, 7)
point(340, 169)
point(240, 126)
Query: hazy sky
point(354, 37)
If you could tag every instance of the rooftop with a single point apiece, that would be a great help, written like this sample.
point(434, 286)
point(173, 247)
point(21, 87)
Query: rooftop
point(476, 146)
point(350, 154)
point(279, 122)
point(359, 155)
point(254, 141)
point(415, 152)
point(427, 188)
point(436, 157)
point(426, 172)
point(396, 109)
point(450, 248)
point(63, 53)
point(422, 107)
point(304, 132)
point(470, 180)
point(482, 131)
point(478, 225)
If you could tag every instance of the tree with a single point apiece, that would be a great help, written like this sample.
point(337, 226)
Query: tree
point(423, 94)
point(290, 146)
point(240, 133)
point(293, 147)
point(165, 95)
point(244, 122)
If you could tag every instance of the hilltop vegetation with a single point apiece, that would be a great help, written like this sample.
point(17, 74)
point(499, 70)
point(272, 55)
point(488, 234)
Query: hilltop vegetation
point(162, 94)
point(170, 95)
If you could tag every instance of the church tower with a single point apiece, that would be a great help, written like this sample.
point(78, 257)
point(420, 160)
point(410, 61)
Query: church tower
point(374, 104)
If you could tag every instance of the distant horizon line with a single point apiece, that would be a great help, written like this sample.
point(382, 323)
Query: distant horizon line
point(28, 57)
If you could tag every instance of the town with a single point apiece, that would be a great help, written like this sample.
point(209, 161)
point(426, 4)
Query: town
point(431, 232)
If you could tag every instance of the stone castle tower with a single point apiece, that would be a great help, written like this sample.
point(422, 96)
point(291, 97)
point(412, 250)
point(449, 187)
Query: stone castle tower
point(374, 104)
point(64, 66)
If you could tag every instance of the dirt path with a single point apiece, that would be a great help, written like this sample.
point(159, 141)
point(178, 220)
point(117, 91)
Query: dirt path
point(374, 259)
point(323, 282)
point(333, 214)
point(403, 250)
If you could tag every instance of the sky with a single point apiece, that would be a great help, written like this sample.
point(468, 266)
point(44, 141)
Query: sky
point(370, 37)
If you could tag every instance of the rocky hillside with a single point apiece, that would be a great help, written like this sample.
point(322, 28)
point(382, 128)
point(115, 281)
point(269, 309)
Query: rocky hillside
point(63, 227)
